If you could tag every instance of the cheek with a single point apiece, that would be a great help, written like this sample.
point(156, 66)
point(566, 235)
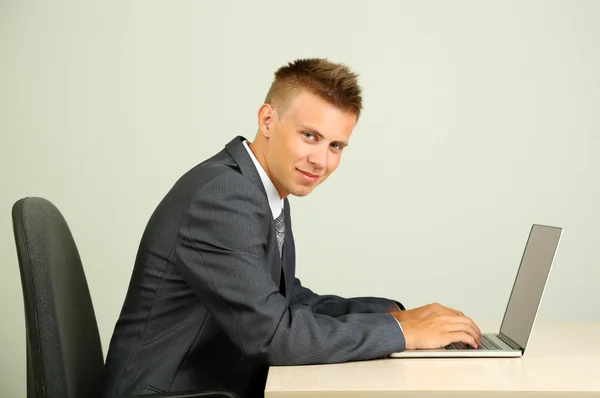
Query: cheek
point(332, 163)
point(299, 156)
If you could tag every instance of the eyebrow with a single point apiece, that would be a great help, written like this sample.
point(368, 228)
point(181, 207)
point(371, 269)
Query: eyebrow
point(315, 132)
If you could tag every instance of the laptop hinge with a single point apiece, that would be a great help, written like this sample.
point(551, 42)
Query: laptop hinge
point(509, 342)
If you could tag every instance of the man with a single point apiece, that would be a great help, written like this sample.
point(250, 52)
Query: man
point(213, 299)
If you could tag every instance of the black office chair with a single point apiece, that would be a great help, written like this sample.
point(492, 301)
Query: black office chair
point(64, 353)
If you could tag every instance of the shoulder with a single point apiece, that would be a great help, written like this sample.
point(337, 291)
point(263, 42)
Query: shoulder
point(230, 185)
point(217, 176)
point(229, 195)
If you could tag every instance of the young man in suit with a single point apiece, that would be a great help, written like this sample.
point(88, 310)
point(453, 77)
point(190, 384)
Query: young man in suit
point(213, 299)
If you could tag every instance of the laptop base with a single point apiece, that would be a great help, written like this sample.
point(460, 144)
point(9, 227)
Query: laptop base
point(500, 350)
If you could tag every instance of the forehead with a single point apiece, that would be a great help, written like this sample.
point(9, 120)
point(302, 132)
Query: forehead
point(309, 109)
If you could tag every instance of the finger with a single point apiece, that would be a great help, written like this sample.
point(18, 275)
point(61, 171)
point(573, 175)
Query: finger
point(478, 331)
point(462, 319)
point(451, 311)
point(464, 324)
point(455, 319)
point(437, 308)
point(463, 338)
point(458, 313)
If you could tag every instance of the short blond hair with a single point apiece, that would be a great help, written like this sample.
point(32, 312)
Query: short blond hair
point(333, 82)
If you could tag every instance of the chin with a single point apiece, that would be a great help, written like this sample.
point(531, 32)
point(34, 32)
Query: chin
point(301, 193)
point(301, 190)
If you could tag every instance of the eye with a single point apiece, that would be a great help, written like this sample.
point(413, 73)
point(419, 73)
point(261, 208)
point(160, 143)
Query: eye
point(337, 146)
point(309, 135)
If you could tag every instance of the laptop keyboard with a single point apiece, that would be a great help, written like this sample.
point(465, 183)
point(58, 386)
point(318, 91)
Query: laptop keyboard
point(486, 344)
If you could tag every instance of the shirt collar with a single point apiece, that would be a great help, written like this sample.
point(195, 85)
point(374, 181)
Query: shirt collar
point(275, 202)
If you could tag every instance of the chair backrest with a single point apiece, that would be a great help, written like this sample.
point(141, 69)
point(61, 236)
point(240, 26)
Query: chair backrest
point(64, 353)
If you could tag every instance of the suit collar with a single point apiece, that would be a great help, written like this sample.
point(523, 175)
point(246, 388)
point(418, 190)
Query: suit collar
point(275, 202)
point(237, 151)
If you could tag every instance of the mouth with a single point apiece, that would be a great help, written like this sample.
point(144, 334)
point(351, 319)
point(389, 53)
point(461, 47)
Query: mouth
point(308, 176)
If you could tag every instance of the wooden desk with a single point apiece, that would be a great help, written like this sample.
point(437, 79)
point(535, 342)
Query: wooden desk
point(562, 360)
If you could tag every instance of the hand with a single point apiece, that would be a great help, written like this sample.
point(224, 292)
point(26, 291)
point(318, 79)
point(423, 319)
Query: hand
point(435, 331)
point(426, 310)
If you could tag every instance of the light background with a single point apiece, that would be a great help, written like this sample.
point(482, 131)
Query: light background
point(481, 118)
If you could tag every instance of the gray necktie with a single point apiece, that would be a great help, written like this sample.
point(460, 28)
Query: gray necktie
point(280, 228)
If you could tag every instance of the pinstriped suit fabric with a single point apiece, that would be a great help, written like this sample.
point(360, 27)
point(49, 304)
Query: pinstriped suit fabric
point(204, 308)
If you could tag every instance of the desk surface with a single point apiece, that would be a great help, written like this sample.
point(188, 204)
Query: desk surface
point(562, 359)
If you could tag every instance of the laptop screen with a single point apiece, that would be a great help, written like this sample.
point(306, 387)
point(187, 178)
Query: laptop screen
point(530, 282)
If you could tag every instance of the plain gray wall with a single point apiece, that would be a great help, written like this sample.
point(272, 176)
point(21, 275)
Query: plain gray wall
point(481, 118)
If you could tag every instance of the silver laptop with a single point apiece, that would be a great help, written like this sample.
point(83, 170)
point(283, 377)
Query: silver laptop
point(522, 307)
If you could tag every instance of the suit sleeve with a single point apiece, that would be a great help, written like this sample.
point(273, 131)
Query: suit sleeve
point(336, 306)
point(221, 254)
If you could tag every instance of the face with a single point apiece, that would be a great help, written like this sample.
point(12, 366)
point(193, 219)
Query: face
point(304, 145)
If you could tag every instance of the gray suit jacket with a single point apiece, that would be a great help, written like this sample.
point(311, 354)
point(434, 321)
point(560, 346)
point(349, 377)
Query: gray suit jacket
point(204, 307)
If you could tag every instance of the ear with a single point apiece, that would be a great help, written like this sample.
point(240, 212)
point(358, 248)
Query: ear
point(266, 113)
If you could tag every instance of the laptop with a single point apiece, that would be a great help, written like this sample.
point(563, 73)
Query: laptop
point(522, 307)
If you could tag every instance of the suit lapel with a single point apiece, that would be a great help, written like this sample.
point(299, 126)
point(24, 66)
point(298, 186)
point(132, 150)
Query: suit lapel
point(289, 252)
point(240, 155)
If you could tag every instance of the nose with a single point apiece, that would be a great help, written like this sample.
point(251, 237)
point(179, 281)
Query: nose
point(318, 157)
